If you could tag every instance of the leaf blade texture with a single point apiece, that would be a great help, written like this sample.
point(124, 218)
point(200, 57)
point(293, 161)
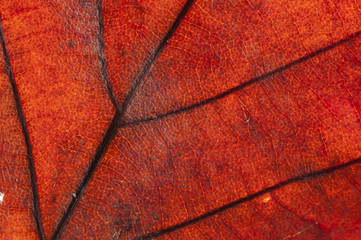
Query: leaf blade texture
point(181, 119)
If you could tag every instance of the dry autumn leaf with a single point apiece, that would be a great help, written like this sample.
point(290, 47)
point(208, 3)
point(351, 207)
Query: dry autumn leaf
point(180, 119)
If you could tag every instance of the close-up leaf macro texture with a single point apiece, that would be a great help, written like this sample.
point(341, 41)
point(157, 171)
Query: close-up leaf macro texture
point(180, 119)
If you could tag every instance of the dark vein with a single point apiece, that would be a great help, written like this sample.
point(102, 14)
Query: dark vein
point(101, 150)
point(245, 84)
point(9, 72)
point(102, 57)
point(154, 56)
point(112, 130)
point(239, 201)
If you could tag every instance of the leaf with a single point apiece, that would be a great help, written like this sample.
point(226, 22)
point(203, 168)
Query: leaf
point(180, 119)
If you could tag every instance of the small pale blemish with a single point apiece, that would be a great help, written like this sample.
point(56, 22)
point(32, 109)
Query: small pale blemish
point(266, 198)
point(74, 195)
point(1, 197)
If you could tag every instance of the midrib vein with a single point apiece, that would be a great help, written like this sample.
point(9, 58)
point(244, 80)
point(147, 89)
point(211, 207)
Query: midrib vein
point(119, 114)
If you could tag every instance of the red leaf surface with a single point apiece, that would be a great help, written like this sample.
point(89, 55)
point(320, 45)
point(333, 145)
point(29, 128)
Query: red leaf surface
point(180, 119)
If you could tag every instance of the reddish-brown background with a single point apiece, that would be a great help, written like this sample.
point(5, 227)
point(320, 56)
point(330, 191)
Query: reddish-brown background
point(187, 144)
